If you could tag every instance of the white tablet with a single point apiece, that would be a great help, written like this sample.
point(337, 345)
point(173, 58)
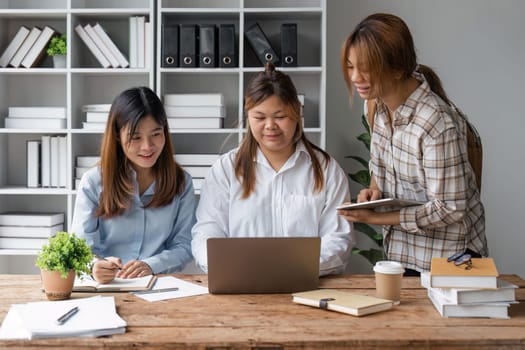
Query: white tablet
point(385, 202)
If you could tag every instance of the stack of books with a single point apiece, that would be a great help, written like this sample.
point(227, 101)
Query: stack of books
point(84, 163)
point(47, 162)
point(198, 166)
point(28, 230)
point(101, 46)
point(96, 116)
point(140, 43)
point(195, 111)
point(476, 292)
point(27, 48)
point(36, 118)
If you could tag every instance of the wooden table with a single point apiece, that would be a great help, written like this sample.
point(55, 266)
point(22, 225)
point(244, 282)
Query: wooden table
point(274, 322)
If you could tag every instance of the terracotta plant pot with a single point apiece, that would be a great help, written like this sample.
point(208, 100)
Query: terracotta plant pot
point(56, 287)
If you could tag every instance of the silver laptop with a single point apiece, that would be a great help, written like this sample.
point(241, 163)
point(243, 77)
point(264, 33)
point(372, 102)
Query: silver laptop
point(263, 265)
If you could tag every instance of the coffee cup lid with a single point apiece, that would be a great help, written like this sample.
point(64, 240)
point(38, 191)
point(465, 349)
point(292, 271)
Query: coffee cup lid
point(389, 267)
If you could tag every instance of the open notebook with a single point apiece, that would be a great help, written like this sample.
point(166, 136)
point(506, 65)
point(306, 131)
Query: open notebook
point(88, 284)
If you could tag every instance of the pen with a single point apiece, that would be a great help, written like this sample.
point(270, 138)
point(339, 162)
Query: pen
point(151, 291)
point(65, 317)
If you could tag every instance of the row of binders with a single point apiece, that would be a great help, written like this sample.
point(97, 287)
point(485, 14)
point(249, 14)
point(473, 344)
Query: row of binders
point(47, 162)
point(106, 51)
point(209, 46)
point(27, 48)
point(475, 292)
point(191, 45)
point(28, 230)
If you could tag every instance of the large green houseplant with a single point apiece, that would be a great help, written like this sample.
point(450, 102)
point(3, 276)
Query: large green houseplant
point(362, 177)
point(65, 256)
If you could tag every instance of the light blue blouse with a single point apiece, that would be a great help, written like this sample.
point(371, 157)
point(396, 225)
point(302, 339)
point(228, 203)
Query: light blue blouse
point(161, 237)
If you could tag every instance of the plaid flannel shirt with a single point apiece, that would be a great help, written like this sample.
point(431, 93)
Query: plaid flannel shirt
point(423, 156)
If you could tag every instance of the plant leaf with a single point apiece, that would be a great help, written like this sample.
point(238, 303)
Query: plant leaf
point(369, 231)
point(365, 139)
point(372, 255)
point(364, 121)
point(362, 177)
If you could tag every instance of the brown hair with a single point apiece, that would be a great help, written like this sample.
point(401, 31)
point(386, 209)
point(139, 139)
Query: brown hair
point(129, 108)
point(263, 85)
point(385, 46)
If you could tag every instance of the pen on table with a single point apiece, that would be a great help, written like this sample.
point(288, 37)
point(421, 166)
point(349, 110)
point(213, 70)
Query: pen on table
point(162, 290)
point(65, 317)
point(111, 268)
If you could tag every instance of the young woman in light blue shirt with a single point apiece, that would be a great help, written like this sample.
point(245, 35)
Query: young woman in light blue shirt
point(137, 207)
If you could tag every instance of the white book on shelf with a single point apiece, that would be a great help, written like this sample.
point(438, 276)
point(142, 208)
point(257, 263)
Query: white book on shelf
point(25, 47)
point(94, 126)
point(13, 46)
point(194, 111)
point(92, 46)
point(45, 161)
point(204, 99)
point(197, 171)
point(487, 310)
point(196, 159)
point(62, 161)
point(22, 243)
point(148, 45)
point(506, 292)
point(133, 44)
point(98, 107)
point(87, 161)
point(35, 123)
point(123, 62)
point(30, 231)
point(54, 161)
point(97, 117)
point(37, 112)
point(31, 219)
point(38, 50)
point(101, 46)
point(301, 99)
point(80, 171)
point(195, 123)
point(141, 45)
point(197, 183)
point(33, 163)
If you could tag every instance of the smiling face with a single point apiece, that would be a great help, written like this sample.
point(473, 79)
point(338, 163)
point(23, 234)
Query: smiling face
point(145, 145)
point(272, 127)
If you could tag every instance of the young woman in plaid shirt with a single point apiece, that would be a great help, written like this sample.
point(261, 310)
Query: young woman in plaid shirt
point(418, 149)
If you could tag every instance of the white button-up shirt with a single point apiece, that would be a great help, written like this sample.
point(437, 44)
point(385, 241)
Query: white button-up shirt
point(283, 204)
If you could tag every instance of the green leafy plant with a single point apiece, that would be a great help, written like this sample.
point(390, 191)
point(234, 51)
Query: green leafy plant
point(362, 177)
point(57, 46)
point(64, 252)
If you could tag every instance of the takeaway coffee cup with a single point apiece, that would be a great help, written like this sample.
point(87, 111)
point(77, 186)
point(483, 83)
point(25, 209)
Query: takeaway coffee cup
point(388, 280)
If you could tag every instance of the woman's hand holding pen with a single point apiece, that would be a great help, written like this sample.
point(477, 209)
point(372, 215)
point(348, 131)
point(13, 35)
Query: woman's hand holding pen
point(106, 269)
point(135, 268)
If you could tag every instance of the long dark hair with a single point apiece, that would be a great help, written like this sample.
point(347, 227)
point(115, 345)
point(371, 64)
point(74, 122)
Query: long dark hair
point(129, 108)
point(263, 85)
point(385, 45)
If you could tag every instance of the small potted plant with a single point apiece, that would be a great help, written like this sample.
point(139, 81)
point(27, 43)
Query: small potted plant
point(58, 49)
point(65, 256)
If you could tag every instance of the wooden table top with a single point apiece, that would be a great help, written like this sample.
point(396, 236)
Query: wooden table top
point(273, 321)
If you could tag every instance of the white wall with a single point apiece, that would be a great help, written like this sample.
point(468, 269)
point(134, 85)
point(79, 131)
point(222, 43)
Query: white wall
point(477, 47)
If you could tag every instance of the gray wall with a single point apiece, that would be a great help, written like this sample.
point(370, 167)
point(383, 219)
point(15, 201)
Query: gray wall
point(477, 47)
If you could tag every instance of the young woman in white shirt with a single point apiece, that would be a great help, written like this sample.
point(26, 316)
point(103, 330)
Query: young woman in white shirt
point(137, 207)
point(277, 183)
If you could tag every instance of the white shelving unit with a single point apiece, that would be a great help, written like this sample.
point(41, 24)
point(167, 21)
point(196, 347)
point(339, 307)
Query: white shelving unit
point(309, 77)
point(83, 81)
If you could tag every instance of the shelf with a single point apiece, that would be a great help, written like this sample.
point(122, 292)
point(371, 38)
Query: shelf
point(17, 190)
point(18, 252)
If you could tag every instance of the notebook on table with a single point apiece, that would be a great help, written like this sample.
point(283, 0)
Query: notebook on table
point(263, 265)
